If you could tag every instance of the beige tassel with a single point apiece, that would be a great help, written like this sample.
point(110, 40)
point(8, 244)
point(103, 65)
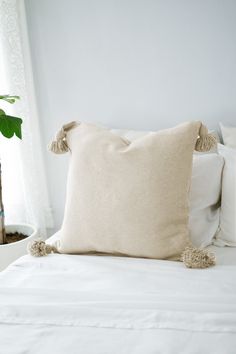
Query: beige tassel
point(205, 141)
point(59, 145)
point(39, 248)
point(198, 258)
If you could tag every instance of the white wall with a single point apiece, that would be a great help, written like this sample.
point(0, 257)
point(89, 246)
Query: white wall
point(142, 64)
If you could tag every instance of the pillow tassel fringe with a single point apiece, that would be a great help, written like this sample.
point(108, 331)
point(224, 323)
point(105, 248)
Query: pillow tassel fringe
point(191, 257)
point(38, 248)
point(59, 145)
point(198, 258)
point(205, 141)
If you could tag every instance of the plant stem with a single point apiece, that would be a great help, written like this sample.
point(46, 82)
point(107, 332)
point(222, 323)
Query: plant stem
point(2, 224)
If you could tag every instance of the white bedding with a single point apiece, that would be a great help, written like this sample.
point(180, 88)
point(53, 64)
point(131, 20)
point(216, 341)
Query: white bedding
point(112, 305)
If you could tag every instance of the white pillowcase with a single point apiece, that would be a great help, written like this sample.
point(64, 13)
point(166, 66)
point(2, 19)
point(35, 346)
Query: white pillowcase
point(227, 232)
point(204, 192)
point(228, 135)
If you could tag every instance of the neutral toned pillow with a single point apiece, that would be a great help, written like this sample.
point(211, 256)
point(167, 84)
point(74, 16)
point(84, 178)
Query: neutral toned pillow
point(205, 191)
point(228, 135)
point(227, 232)
point(128, 198)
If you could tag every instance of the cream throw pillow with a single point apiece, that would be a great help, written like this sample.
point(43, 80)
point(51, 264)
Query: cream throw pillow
point(205, 191)
point(128, 198)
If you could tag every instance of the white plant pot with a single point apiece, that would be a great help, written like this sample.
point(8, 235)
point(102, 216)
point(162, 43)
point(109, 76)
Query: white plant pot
point(11, 251)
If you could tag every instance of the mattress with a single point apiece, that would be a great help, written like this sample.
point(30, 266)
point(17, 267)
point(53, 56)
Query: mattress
point(117, 305)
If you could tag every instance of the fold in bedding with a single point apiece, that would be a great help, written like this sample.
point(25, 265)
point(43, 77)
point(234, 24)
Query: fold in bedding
point(114, 292)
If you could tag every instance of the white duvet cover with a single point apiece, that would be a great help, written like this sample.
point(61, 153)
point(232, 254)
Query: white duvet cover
point(112, 305)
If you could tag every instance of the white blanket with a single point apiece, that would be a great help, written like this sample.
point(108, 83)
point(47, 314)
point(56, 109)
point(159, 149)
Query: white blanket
point(98, 304)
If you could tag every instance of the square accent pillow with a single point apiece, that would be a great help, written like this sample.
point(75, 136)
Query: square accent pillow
point(128, 198)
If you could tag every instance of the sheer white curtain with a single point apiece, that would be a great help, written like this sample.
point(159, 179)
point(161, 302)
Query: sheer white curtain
point(24, 181)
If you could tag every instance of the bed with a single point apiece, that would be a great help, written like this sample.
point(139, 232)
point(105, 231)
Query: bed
point(97, 304)
point(102, 304)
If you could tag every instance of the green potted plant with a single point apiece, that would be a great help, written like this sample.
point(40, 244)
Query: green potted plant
point(13, 238)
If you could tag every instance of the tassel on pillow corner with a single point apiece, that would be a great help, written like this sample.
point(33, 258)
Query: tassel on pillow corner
point(59, 144)
point(205, 141)
point(39, 248)
point(198, 258)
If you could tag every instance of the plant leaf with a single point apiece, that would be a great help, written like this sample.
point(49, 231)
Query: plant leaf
point(9, 98)
point(10, 125)
point(2, 112)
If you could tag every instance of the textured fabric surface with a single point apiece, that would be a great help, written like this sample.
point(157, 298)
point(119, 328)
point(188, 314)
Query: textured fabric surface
point(227, 232)
point(128, 198)
point(205, 191)
point(117, 305)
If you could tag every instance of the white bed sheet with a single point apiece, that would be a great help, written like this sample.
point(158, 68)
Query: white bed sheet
point(114, 305)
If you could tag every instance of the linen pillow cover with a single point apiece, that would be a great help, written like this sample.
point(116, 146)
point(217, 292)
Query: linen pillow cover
point(128, 198)
point(205, 191)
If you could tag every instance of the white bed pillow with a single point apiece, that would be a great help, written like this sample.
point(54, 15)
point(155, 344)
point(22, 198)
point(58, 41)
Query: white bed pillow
point(228, 135)
point(205, 191)
point(205, 195)
point(227, 232)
